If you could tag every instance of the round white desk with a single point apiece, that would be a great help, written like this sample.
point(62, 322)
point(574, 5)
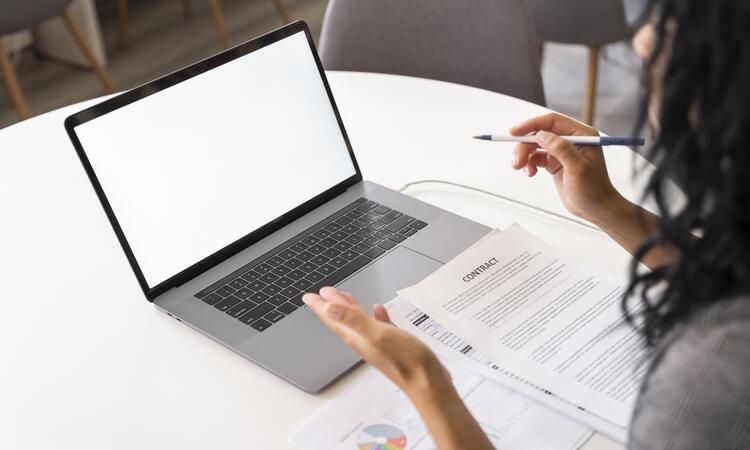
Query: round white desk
point(88, 363)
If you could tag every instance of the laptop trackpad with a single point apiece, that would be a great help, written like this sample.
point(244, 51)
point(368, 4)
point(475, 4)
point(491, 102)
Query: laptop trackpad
point(398, 269)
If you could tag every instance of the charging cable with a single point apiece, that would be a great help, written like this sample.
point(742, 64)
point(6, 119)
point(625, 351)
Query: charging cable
point(502, 197)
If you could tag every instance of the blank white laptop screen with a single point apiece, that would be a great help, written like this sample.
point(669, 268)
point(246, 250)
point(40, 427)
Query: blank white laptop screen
point(193, 168)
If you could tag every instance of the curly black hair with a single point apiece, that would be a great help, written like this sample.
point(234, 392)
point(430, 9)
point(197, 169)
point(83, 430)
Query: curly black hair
point(706, 44)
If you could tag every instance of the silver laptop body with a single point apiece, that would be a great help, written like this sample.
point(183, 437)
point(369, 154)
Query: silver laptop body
point(255, 126)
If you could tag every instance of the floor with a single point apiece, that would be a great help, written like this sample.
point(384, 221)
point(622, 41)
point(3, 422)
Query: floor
point(162, 39)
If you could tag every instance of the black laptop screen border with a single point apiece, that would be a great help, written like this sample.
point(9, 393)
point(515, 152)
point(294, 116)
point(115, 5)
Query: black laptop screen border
point(151, 292)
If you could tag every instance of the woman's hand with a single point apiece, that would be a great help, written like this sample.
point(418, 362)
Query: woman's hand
point(399, 355)
point(580, 174)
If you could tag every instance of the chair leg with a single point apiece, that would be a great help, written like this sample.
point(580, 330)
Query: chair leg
point(87, 52)
point(593, 73)
point(11, 81)
point(540, 50)
point(218, 16)
point(187, 8)
point(282, 11)
point(122, 23)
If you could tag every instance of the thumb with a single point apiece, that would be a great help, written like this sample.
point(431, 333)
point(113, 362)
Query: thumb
point(564, 151)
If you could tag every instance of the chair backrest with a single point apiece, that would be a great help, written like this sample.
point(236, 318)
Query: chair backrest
point(585, 22)
point(16, 15)
point(488, 44)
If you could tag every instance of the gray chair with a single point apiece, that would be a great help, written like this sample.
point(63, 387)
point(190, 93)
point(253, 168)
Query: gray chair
point(593, 23)
point(17, 15)
point(488, 44)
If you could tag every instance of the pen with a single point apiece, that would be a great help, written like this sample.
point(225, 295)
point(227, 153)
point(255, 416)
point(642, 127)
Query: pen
point(580, 141)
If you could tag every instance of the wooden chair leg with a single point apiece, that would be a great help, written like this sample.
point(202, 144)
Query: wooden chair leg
point(11, 81)
point(122, 23)
point(591, 81)
point(282, 11)
point(218, 16)
point(187, 8)
point(87, 52)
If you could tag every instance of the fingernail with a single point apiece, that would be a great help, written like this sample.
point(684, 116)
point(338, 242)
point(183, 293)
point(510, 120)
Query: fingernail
point(306, 299)
point(514, 160)
point(527, 171)
point(334, 312)
point(544, 136)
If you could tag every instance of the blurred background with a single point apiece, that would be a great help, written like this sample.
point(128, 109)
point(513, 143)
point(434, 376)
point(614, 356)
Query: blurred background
point(135, 41)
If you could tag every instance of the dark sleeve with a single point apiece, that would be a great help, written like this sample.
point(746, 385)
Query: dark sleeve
point(697, 393)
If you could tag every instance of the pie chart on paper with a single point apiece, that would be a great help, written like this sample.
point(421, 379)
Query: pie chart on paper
point(381, 437)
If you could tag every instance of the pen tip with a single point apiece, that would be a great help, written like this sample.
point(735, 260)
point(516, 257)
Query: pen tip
point(483, 137)
point(476, 137)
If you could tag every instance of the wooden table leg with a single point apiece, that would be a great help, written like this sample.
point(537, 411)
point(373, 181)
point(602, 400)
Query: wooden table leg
point(591, 81)
point(282, 11)
point(11, 81)
point(218, 16)
point(122, 23)
point(87, 52)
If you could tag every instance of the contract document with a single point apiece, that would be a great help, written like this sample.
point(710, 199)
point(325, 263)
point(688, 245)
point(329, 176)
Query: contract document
point(543, 319)
point(375, 414)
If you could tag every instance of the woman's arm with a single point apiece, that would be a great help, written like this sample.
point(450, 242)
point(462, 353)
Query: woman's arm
point(407, 362)
point(581, 179)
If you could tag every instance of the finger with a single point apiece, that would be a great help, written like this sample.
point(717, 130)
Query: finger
point(555, 123)
point(521, 154)
point(530, 169)
point(331, 294)
point(563, 150)
point(547, 161)
point(381, 313)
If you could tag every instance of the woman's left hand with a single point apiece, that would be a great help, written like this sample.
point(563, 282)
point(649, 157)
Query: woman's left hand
point(400, 356)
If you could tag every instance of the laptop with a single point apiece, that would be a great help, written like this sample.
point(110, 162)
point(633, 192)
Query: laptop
point(233, 189)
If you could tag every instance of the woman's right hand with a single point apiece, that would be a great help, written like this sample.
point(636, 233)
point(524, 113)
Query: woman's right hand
point(580, 174)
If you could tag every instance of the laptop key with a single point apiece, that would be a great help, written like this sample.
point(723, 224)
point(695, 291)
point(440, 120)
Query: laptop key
point(263, 268)
point(296, 274)
point(299, 247)
point(270, 277)
point(227, 303)
point(302, 284)
point(314, 276)
point(390, 217)
point(418, 224)
point(338, 262)
point(274, 316)
point(331, 253)
point(349, 255)
point(360, 223)
point(259, 297)
point(271, 289)
point(308, 267)
point(334, 278)
point(397, 237)
point(304, 256)
point(286, 254)
point(225, 291)
point(310, 240)
point(399, 223)
point(375, 226)
point(341, 246)
point(316, 249)
point(368, 205)
point(275, 260)
point(293, 263)
point(339, 235)
point(343, 221)
point(361, 248)
point(372, 241)
point(408, 231)
point(281, 270)
point(321, 234)
point(241, 308)
point(328, 242)
point(256, 313)
point(383, 234)
point(332, 227)
point(237, 283)
point(350, 229)
point(277, 300)
point(211, 298)
point(250, 276)
point(326, 269)
point(243, 293)
point(284, 282)
point(382, 209)
point(289, 292)
point(287, 308)
point(319, 260)
point(261, 324)
point(374, 252)
point(353, 239)
point(364, 232)
point(256, 285)
point(386, 244)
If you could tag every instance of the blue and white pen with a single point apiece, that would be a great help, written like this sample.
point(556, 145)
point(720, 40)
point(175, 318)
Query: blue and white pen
point(580, 141)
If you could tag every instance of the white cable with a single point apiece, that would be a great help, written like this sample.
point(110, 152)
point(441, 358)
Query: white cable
point(503, 197)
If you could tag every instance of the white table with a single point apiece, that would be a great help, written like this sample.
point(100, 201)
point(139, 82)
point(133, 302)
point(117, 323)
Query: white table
point(88, 363)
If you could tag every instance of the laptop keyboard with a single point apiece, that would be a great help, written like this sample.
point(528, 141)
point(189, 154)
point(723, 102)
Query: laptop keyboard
point(271, 287)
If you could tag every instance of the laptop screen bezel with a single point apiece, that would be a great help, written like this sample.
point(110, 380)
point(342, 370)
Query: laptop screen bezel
point(153, 87)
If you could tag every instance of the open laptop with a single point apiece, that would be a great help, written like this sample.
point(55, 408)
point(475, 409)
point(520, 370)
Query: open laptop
point(233, 189)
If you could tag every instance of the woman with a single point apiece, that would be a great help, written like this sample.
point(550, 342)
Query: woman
point(696, 393)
